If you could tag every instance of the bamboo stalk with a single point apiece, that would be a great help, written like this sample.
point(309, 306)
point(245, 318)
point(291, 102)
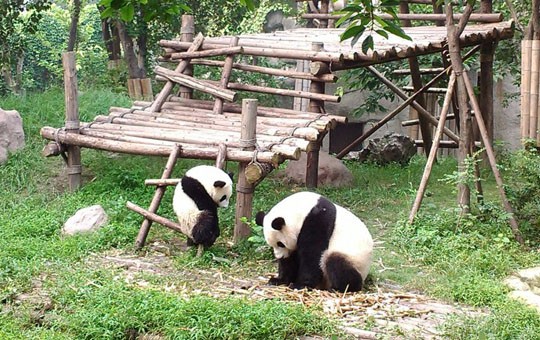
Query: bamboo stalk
point(535, 83)
point(167, 88)
point(526, 54)
point(156, 200)
point(196, 84)
point(433, 152)
point(327, 78)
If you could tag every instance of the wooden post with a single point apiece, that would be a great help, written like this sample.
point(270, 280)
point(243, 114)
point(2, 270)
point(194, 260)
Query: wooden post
point(225, 75)
point(491, 156)
point(486, 77)
point(312, 162)
point(433, 152)
point(156, 200)
point(74, 166)
point(244, 190)
point(187, 32)
point(535, 82)
point(465, 131)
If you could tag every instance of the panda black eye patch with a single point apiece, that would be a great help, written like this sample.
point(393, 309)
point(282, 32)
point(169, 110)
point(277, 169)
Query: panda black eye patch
point(223, 198)
point(281, 245)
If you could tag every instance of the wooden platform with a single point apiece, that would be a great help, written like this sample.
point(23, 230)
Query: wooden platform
point(281, 134)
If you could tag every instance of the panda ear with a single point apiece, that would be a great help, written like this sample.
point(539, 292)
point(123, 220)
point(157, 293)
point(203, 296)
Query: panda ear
point(278, 223)
point(231, 175)
point(259, 218)
point(219, 184)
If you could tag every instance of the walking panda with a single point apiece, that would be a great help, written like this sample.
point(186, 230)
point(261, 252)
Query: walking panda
point(318, 244)
point(196, 198)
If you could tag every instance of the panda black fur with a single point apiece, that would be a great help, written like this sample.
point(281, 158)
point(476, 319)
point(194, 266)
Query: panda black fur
point(196, 198)
point(318, 244)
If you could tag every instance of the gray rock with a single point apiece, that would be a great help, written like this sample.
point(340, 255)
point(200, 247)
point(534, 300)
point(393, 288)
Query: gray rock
point(528, 297)
point(531, 275)
point(85, 220)
point(391, 148)
point(515, 283)
point(11, 133)
point(332, 172)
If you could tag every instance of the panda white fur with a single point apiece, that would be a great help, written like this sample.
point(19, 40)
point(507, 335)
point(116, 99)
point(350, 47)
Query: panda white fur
point(318, 244)
point(201, 191)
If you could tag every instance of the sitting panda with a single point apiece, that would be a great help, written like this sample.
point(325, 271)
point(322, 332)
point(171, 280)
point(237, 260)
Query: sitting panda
point(196, 198)
point(318, 244)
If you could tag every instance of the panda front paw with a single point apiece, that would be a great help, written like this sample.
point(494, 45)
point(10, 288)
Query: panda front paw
point(276, 281)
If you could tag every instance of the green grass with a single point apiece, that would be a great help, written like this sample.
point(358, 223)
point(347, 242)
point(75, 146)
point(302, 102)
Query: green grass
point(457, 259)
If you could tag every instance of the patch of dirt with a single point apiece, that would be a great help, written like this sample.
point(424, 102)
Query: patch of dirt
point(385, 309)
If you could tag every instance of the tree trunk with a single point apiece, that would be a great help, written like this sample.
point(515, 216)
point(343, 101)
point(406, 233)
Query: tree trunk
point(129, 52)
point(76, 11)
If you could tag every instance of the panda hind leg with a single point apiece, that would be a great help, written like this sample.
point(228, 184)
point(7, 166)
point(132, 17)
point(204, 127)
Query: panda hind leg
point(341, 275)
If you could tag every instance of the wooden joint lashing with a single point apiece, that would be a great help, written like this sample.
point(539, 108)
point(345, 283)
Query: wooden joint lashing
point(74, 169)
point(72, 125)
point(248, 189)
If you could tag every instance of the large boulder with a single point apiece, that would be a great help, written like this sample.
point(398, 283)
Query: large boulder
point(85, 220)
point(391, 148)
point(11, 133)
point(332, 172)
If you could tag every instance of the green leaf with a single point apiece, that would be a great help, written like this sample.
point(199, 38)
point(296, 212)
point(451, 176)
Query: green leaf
point(249, 4)
point(367, 44)
point(382, 33)
point(117, 4)
point(396, 30)
point(107, 13)
point(127, 12)
point(353, 31)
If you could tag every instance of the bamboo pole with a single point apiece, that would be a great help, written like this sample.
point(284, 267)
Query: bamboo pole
point(167, 88)
point(265, 52)
point(158, 195)
point(535, 83)
point(433, 152)
point(196, 84)
point(475, 17)
point(272, 90)
point(432, 120)
point(526, 52)
point(327, 78)
point(492, 161)
point(154, 217)
point(226, 74)
point(244, 189)
point(72, 124)
point(208, 53)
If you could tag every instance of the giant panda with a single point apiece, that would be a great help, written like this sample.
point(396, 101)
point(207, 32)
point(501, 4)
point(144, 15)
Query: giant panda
point(196, 198)
point(318, 244)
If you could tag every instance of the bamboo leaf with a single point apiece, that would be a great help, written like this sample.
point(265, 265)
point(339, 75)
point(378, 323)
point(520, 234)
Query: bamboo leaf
point(367, 44)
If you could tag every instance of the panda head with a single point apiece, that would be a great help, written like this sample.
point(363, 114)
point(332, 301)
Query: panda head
point(283, 223)
point(216, 182)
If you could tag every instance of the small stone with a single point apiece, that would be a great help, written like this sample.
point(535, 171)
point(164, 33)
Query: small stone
point(85, 220)
point(530, 275)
